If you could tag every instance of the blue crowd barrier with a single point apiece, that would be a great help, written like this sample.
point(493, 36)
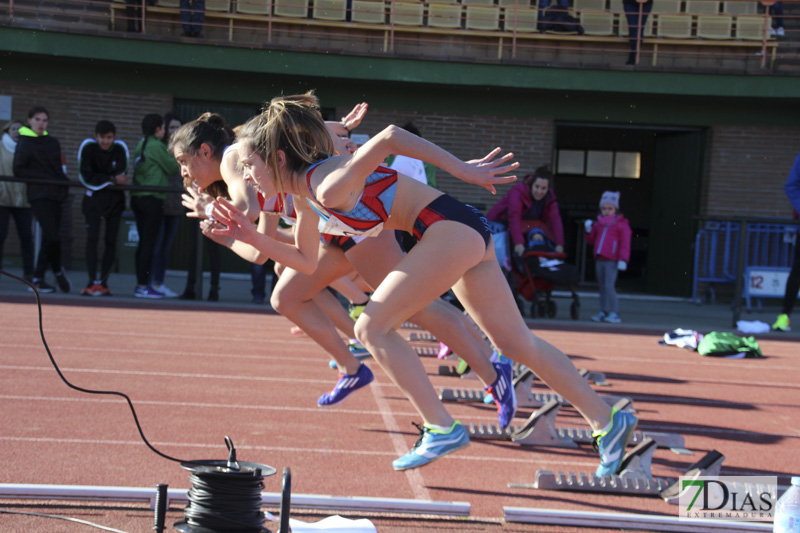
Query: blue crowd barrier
point(717, 254)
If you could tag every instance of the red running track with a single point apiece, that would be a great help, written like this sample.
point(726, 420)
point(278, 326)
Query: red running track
point(196, 375)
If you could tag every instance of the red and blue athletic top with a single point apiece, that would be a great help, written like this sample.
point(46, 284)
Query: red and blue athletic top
point(371, 211)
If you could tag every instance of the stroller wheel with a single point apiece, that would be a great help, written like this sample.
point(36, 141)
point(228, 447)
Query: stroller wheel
point(541, 308)
point(574, 310)
point(551, 309)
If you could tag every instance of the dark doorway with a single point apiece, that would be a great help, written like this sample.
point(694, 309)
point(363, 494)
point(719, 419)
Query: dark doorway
point(669, 174)
point(676, 191)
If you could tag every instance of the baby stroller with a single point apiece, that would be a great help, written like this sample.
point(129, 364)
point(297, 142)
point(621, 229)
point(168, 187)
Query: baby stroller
point(534, 276)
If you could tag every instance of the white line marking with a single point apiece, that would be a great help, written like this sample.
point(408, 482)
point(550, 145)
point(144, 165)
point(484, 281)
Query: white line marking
point(529, 467)
point(414, 477)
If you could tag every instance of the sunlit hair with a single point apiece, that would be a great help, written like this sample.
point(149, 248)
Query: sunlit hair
point(292, 124)
point(210, 129)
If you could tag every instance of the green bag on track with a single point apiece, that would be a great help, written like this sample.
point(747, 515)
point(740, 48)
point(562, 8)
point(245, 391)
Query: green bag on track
point(730, 345)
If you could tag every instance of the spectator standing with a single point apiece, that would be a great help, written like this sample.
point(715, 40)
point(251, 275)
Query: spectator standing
point(635, 26)
point(133, 12)
point(152, 164)
point(611, 240)
point(38, 157)
point(173, 210)
point(530, 205)
point(776, 11)
point(193, 16)
point(102, 163)
point(258, 277)
point(792, 189)
point(14, 201)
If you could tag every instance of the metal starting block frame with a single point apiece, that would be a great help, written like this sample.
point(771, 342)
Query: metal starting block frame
point(523, 383)
point(427, 351)
point(709, 465)
point(540, 430)
point(422, 336)
point(634, 478)
point(598, 378)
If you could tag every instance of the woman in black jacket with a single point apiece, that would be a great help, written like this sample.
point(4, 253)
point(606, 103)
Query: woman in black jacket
point(38, 156)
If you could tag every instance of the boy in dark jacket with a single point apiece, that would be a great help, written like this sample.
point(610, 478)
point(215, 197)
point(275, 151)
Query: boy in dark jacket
point(103, 163)
point(38, 156)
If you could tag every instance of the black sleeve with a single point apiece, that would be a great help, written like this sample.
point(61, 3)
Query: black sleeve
point(92, 175)
point(21, 157)
point(121, 159)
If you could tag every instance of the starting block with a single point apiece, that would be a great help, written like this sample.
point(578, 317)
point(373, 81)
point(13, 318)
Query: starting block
point(523, 384)
point(634, 478)
point(709, 465)
point(427, 351)
point(598, 378)
point(533, 399)
point(410, 325)
point(422, 336)
point(540, 430)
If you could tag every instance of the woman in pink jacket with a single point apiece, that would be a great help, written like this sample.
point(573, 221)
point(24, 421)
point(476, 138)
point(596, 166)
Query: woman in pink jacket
point(611, 240)
point(528, 205)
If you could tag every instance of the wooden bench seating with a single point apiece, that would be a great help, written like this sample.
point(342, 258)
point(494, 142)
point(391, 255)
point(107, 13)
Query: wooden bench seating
point(504, 33)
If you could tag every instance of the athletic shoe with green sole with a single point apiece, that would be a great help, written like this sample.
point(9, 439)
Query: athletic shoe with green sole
point(433, 444)
point(612, 441)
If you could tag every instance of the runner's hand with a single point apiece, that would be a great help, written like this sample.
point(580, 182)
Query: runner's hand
point(195, 201)
point(487, 171)
point(232, 222)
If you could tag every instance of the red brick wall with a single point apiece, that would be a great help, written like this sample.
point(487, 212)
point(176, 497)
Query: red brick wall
point(73, 114)
point(471, 137)
point(747, 168)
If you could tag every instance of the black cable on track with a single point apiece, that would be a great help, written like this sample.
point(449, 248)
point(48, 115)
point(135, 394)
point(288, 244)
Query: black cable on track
point(225, 495)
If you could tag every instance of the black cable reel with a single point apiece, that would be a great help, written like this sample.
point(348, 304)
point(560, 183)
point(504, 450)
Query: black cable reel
point(225, 495)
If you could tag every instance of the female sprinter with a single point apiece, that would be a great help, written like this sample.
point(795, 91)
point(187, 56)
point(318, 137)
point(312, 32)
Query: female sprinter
point(287, 149)
point(298, 295)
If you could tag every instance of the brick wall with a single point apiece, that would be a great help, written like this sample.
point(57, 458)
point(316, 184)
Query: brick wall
point(746, 165)
point(471, 137)
point(73, 114)
point(747, 168)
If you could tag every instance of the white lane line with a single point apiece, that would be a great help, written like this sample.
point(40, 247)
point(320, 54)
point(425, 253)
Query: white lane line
point(206, 405)
point(382, 412)
point(414, 477)
point(162, 374)
point(531, 466)
point(126, 350)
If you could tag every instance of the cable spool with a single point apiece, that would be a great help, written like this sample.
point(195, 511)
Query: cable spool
point(225, 496)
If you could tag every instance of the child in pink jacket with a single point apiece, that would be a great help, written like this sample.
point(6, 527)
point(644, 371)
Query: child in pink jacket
point(611, 240)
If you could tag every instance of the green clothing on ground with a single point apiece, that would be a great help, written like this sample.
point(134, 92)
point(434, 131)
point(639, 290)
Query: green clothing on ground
point(158, 163)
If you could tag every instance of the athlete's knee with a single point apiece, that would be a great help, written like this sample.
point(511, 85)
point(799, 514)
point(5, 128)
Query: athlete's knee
point(281, 301)
point(368, 330)
point(516, 346)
